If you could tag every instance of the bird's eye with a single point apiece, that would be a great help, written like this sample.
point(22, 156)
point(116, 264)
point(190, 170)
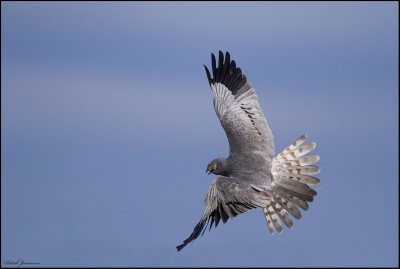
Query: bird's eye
point(214, 166)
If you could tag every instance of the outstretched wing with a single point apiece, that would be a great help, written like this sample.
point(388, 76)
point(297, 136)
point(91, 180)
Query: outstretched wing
point(236, 105)
point(226, 198)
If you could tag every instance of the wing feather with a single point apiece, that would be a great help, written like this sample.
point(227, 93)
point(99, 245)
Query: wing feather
point(236, 105)
point(226, 198)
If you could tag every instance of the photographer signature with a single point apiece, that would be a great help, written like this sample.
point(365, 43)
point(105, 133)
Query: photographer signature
point(19, 262)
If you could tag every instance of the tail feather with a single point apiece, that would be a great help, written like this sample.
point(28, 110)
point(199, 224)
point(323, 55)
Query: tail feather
point(294, 186)
point(292, 172)
point(292, 146)
point(289, 206)
point(294, 200)
point(269, 221)
point(306, 160)
point(300, 203)
point(306, 179)
point(303, 170)
point(274, 217)
point(303, 188)
point(283, 190)
point(282, 213)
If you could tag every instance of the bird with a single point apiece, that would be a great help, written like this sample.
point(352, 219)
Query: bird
point(250, 177)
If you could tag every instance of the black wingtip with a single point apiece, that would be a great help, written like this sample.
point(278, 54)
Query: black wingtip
point(210, 81)
point(226, 72)
point(213, 66)
point(196, 232)
point(219, 68)
point(180, 247)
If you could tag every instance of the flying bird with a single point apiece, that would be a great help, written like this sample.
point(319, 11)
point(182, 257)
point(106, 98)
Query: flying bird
point(250, 177)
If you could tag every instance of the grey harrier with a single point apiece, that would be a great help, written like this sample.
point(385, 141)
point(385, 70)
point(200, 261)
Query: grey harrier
point(250, 178)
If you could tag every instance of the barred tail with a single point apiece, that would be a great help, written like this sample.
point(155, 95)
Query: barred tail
point(292, 172)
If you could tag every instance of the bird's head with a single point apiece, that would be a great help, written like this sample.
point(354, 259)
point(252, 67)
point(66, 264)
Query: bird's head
point(216, 166)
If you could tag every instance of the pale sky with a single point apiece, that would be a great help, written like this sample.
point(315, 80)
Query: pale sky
point(107, 127)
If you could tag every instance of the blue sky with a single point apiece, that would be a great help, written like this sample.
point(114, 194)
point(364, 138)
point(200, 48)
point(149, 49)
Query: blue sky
point(107, 126)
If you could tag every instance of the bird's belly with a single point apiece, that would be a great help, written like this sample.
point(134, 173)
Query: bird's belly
point(254, 168)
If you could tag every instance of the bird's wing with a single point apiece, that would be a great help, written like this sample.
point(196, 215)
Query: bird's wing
point(292, 172)
point(236, 105)
point(226, 198)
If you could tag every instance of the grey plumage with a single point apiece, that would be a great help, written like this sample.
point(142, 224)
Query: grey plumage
point(250, 178)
